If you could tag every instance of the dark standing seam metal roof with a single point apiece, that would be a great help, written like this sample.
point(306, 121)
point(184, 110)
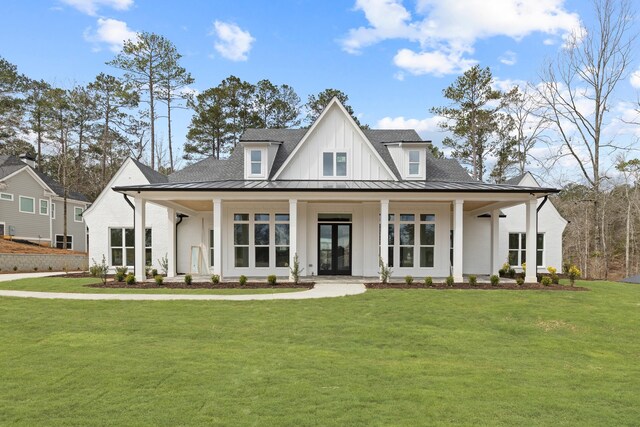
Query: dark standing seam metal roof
point(11, 164)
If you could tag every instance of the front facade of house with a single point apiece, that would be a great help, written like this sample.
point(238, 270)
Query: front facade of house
point(338, 197)
point(31, 207)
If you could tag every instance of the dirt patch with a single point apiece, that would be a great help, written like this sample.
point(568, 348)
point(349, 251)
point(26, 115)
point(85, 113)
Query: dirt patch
point(551, 325)
point(484, 286)
point(202, 285)
point(25, 247)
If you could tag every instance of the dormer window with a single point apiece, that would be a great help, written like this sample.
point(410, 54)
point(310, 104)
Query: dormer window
point(256, 162)
point(414, 163)
point(334, 164)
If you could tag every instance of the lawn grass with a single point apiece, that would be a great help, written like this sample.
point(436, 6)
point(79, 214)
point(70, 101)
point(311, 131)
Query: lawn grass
point(59, 284)
point(387, 357)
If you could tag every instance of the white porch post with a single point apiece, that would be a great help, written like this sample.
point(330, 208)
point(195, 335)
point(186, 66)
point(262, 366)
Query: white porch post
point(384, 232)
point(139, 241)
point(217, 237)
point(495, 242)
point(293, 233)
point(532, 249)
point(457, 240)
point(171, 242)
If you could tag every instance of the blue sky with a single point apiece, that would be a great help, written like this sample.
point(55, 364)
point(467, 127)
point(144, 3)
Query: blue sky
point(392, 58)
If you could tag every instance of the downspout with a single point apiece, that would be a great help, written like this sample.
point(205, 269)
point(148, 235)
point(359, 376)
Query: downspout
point(181, 216)
point(134, 229)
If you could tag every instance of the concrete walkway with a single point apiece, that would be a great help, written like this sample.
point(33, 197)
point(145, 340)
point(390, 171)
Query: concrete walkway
point(320, 290)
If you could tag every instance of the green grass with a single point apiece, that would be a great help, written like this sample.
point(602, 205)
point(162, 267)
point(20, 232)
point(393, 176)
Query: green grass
point(57, 284)
point(387, 357)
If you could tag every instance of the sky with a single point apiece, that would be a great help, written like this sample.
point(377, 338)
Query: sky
point(392, 58)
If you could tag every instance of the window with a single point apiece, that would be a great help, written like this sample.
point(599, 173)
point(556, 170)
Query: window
point(53, 211)
point(241, 239)
point(412, 235)
point(406, 234)
point(60, 241)
point(261, 239)
point(27, 204)
point(518, 249)
point(414, 162)
point(6, 196)
point(427, 240)
point(256, 162)
point(44, 207)
point(282, 240)
point(211, 248)
point(334, 164)
point(77, 214)
point(122, 246)
point(391, 240)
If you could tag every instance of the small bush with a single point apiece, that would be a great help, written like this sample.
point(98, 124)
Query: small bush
point(215, 279)
point(512, 273)
point(188, 279)
point(546, 281)
point(130, 279)
point(574, 273)
point(15, 268)
point(121, 273)
point(159, 279)
point(519, 281)
point(272, 279)
point(555, 279)
point(428, 281)
point(295, 269)
point(385, 271)
point(50, 268)
point(408, 279)
point(154, 272)
point(495, 280)
point(93, 270)
point(164, 264)
point(242, 280)
point(100, 270)
point(35, 268)
point(449, 281)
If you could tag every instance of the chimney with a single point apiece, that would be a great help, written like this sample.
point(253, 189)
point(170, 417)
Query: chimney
point(26, 158)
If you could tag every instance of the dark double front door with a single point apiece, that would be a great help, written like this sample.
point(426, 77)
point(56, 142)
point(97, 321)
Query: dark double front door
point(334, 249)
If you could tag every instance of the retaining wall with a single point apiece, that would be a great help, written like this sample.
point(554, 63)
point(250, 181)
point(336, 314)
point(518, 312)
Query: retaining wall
point(43, 262)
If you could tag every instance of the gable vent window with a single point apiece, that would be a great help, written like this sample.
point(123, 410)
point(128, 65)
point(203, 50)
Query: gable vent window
point(334, 164)
point(414, 162)
point(256, 162)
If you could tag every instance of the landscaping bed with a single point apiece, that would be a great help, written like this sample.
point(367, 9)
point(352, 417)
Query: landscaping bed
point(202, 285)
point(485, 286)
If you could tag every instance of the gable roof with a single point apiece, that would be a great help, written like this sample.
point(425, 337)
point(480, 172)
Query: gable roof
point(12, 164)
point(515, 180)
point(153, 176)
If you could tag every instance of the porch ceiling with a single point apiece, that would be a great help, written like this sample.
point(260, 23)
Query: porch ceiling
point(196, 205)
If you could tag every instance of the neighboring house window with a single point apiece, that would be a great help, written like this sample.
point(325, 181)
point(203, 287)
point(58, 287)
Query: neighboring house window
point(122, 247)
point(211, 248)
point(334, 164)
point(256, 162)
point(414, 163)
point(77, 214)
point(427, 239)
point(282, 240)
point(518, 249)
point(53, 211)
point(27, 204)
point(60, 241)
point(261, 239)
point(44, 207)
point(6, 196)
point(1, 229)
point(241, 239)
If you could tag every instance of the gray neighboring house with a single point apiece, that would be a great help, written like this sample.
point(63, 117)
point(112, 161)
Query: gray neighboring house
point(31, 206)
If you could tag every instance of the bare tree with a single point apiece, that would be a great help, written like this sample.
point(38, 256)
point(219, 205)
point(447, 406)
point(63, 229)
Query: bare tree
point(578, 88)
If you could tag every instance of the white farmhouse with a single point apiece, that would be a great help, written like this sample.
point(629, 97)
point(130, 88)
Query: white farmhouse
point(339, 197)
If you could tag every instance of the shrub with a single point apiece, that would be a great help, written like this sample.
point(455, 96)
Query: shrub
point(121, 272)
point(159, 279)
point(574, 273)
point(215, 279)
point(555, 279)
point(408, 279)
point(428, 281)
point(552, 270)
point(272, 279)
point(164, 264)
point(524, 267)
point(35, 268)
point(188, 279)
point(473, 280)
point(449, 281)
point(495, 280)
point(130, 279)
point(546, 281)
point(50, 268)
point(519, 281)
point(100, 270)
point(242, 280)
point(295, 269)
point(15, 268)
point(512, 273)
point(385, 272)
point(154, 272)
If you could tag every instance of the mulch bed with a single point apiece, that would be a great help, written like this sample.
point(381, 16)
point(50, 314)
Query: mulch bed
point(485, 286)
point(202, 285)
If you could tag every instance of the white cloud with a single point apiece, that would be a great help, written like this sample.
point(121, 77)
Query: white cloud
point(548, 42)
point(90, 7)
point(233, 43)
point(446, 31)
point(430, 124)
point(634, 79)
point(111, 32)
point(509, 58)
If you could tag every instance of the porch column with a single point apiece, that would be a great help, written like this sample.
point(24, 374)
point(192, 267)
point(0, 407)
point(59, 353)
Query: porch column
point(171, 242)
point(384, 232)
point(217, 237)
point(495, 242)
point(293, 233)
point(532, 249)
point(139, 240)
point(457, 240)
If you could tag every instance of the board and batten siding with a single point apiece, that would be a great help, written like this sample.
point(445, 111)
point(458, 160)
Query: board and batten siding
point(27, 226)
point(336, 133)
